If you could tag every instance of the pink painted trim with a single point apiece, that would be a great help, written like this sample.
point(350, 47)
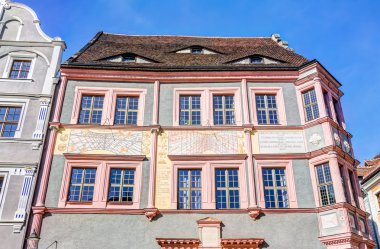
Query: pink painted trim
point(242, 180)
point(237, 99)
point(109, 105)
point(330, 158)
point(207, 117)
point(79, 92)
point(316, 84)
point(206, 203)
point(208, 181)
point(152, 171)
point(287, 165)
point(327, 133)
point(101, 183)
point(156, 101)
point(280, 103)
point(179, 77)
point(60, 98)
point(244, 91)
point(251, 171)
point(177, 92)
point(136, 188)
point(41, 195)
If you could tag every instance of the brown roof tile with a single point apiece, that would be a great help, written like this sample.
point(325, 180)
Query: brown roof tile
point(162, 50)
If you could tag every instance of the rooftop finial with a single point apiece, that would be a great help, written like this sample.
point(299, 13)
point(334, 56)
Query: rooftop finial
point(277, 38)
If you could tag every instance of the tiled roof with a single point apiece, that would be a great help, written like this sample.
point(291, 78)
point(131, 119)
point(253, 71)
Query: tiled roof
point(162, 50)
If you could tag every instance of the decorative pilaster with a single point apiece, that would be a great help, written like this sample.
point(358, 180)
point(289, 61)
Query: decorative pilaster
point(35, 230)
point(151, 211)
point(38, 132)
point(24, 195)
point(251, 174)
point(335, 174)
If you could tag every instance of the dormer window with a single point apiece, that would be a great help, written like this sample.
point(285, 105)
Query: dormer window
point(129, 58)
point(197, 50)
point(256, 60)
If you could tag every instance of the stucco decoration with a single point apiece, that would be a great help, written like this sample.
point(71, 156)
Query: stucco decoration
point(337, 139)
point(102, 141)
point(5, 3)
point(315, 139)
point(206, 142)
point(347, 147)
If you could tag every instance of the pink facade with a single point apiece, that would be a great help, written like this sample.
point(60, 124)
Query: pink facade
point(306, 145)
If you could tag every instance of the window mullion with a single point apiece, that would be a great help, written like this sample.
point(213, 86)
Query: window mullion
point(82, 184)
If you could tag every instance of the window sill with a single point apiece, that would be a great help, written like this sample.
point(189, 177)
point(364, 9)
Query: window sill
point(16, 80)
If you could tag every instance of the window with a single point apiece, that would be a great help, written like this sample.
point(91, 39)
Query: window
point(224, 109)
point(352, 219)
point(325, 184)
point(353, 187)
point(129, 58)
point(126, 110)
point(91, 182)
point(1, 184)
point(266, 106)
point(327, 103)
point(310, 105)
point(9, 118)
point(91, 109)
point(337, 112)
point(189, 189)
point(342, 178)
point(256, 60)
point(20, 69)
point(275, 189)
point(362, 225)
point(82, 184)
point(196, 50)
point(190, 110)
point(121, 185)
point(227, 188)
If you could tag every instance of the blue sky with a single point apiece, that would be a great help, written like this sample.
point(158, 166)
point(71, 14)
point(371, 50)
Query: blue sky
point(343, 35)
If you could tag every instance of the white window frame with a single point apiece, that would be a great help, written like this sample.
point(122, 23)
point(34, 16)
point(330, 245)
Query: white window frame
point(3, 173)
point(23, 103)
point(13, 56)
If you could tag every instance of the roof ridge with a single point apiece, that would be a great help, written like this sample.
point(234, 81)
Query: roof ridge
point(196, 36)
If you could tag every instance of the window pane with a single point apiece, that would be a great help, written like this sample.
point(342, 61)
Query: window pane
point(20, 69)
point(325, 184)
point(9, 118)
point(189, 189)
point(266, 109)
point(126, 110)
point(275, 188)
point(190, 110)
point(91, 109)
point(121, 185)
point(82, 184)
point(227, 188)
point(310, 105)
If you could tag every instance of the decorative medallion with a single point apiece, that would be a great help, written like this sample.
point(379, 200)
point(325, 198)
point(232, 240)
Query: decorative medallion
point(315, 139)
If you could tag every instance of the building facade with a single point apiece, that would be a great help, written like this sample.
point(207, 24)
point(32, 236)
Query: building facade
point(29, 63)
point(197, 142)
point(369, 176)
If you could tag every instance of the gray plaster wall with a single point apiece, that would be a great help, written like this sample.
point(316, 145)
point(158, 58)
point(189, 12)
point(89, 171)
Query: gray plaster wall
point(304, 191)
point(70, 95)
point(167, 97)
point(280, 231)
point(8, 239)
point(290, 99)
point(55, 182)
